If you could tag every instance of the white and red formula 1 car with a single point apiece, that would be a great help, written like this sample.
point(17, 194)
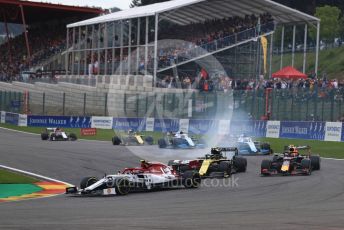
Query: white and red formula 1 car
point(149, 176)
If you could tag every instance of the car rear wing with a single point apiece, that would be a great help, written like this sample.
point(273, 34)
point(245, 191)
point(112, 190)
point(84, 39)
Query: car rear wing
point(301, 147)
point(227, 149)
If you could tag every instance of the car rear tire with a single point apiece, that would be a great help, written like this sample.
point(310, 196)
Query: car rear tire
point(225, 168)
point(191, 179)
point(44, 136)
point(184, 168)
point(315, 161)
point(116, 140)
point(162, 143)
point(265, 165)
point(122, 186)
point(72, 137)
point(306, 164)
point(88, 181)
point(240, 163)
point(149, 140)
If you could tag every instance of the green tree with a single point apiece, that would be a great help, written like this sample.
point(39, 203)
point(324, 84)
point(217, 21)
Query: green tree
point(329, 25)
point(341, 27)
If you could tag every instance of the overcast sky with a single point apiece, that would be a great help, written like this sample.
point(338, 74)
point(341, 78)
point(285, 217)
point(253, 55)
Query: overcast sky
point(105, 4)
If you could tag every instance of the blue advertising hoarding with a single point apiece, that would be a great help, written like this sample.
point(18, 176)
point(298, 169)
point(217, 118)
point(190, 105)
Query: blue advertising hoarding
point(251, 128)
point(59, 121)
point(303, 130)
point(166, 125)
point(137, 124)
point(12, 118)
point(202, 126)
point(342, 138)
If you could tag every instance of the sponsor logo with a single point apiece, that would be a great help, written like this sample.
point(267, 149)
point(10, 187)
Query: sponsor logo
point(88, 132)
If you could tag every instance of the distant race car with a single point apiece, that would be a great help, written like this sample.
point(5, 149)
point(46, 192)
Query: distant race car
point(132, 138)
point(57, 134)
point(247, 146)
point(290, 162)
point(221, 162)
point(149, 176)
point(180, 140)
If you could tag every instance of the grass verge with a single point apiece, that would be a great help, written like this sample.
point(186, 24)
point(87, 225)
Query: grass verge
point(324, 148)
point(102, 134)
point(8, 177)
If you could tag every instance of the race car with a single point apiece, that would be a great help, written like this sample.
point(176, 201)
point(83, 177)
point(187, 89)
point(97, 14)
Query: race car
point(291, 162)
point(247, 146)
point(149, 176)
point(131, 138)
point(180, 140)
point(221, 162)
point(57, 134)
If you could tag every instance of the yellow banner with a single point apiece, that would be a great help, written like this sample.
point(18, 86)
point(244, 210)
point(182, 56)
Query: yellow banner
point(264, 43)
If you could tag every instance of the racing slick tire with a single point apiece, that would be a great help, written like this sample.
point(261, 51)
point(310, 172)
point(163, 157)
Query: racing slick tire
point(225, 168)
point(88, 181)
point(191, 179)
point(149, 140)
point(315, 161)
point(44, 136)
point(122, 186)
point(240, 163)
point(306, 165)
point(72, 137)
point(266, 146)
point(116, 140)
point(162, 143)
point(184, 168)
point(266, 165)
point(53, 137)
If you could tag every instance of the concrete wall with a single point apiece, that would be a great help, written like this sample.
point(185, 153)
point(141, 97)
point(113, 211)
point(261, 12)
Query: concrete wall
point(117, 96)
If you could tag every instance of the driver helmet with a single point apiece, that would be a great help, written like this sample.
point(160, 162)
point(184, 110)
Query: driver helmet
point(144, 164)
point(215, 151)
point(130, 131)
point(293, 150)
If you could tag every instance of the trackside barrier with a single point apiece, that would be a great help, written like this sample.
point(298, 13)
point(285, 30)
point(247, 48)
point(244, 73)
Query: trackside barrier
point(59, 121)
point(316, 130)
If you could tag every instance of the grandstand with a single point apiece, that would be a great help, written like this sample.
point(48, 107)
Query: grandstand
point(42, 35)
point(121, 63)
point(133, 41)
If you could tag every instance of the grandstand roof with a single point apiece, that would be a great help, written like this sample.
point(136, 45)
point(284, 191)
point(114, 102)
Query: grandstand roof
point(38, 12)
point(185, 12)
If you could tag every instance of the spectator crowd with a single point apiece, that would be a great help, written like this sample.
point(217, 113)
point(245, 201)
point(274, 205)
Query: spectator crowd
point(45, 40)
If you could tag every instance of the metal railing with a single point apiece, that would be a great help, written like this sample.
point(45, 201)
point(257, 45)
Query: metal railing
point(217, 44)
point(286, 104)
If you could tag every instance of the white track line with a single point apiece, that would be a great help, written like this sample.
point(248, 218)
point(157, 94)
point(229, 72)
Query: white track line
point(34, 174)
point(18, 131)
point(335, 159)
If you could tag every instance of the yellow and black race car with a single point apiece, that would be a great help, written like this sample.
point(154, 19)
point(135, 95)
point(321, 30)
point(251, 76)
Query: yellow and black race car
point(131, 138)
point(221, 162)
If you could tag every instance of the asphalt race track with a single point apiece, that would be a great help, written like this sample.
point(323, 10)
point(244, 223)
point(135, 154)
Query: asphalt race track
point(248, 201)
